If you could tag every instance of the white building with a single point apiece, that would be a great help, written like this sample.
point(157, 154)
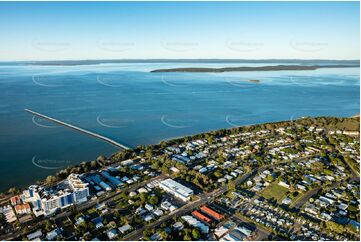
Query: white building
point(80, 189)
point(124, 228)
point(69, 192)
point(178, 190)
point(9, 214)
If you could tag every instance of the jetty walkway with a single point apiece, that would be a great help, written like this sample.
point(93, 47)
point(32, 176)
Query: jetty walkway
point(113, 142)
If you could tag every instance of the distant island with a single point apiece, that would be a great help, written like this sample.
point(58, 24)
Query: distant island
point(254, 68)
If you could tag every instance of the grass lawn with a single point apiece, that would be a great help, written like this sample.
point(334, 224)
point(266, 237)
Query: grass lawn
point(274, 191)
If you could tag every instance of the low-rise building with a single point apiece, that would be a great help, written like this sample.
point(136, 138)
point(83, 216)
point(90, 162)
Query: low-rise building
point(124, 228)
point(23, 209)
point(196, 223)
point(35, 235)
point(178, 190)
point(15, 200)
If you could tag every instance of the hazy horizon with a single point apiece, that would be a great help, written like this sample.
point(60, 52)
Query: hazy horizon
point(58, 31)
point(240, 60)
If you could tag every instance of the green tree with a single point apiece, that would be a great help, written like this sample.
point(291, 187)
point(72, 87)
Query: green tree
point(153, 200)
point(187, 237)
point(143, 197)
point(101, 158)
point(124, 220)
point(195, 234)
point(218, 174)
point(48, 225)
point(163, 234)
point(51, 179)
point(93, 164)
point(334, 227)
point(13, 190)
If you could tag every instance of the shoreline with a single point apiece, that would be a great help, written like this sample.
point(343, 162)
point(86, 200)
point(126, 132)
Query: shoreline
point(174, 139)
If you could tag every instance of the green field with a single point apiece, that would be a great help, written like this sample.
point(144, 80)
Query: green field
point(274, 191)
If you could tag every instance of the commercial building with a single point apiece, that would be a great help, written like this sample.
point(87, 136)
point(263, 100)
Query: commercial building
point(178, 190)
point(96, 178)
point(200, 216)
point(212, 213)
point(115, 181)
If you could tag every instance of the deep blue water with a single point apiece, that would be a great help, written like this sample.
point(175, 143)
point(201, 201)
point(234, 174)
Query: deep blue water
point(126, 102)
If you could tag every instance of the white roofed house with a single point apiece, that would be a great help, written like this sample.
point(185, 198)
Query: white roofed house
point(326, 200)
point(158, 212)
point(351, 133)
point(112, 233)
point(53, 234)
point(148, 217)
point(124, 228)
point(127, 162)
point(178, 226)
point(149, 207)
point(283, 184)
point(142, 190)
point(35, 235)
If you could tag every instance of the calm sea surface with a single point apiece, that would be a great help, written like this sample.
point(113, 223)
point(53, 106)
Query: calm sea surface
point(133, 106)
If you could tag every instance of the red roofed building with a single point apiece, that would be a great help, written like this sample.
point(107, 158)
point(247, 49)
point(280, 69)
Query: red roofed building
point(23, 208)
point(15, 200)
point(201, 217)
point(212, 213)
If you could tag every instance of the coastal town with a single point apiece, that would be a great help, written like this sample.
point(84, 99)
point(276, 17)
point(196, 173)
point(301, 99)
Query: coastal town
point(292, 180)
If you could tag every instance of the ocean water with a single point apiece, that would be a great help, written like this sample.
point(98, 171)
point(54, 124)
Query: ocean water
point(133, 106)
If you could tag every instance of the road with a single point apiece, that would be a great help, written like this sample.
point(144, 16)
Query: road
point(355, 173)
point(304, 198)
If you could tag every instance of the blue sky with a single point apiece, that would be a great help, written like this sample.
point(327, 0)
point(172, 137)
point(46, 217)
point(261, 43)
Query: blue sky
point(131, 30)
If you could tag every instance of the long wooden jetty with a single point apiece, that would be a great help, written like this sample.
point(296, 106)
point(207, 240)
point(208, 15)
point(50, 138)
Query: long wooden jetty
point(113, 142)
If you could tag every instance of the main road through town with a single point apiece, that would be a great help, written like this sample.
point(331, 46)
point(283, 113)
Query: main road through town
point(203, 198)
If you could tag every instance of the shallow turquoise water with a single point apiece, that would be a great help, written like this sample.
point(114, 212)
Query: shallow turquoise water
point(133, 106)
